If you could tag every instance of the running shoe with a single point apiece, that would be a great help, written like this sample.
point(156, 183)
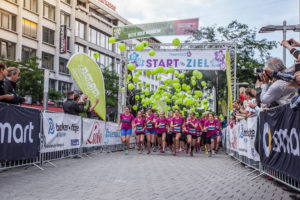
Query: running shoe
point(187, 151)
point(162, 151)
point(213, 152)
point(148, 152)
point(209, 155)
point(140, 151)
point(206, 152)
point(174, 153)
point(126, 152)
point(154, 149)
point(191, 153)
point(216, 151)
point(177, 150)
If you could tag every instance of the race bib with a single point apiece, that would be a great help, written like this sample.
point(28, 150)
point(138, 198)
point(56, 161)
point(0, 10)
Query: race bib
point(177, 129)
point(139, 129)
point(149, 126)
point(162, 125)
point(192, 130)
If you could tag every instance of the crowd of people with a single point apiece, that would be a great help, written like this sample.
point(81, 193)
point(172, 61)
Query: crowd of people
point(171, 132)
point(276, 85)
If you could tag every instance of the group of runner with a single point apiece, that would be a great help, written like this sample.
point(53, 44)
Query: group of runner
point(155, 130)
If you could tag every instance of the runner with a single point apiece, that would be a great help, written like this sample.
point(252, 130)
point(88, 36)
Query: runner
point(177, 123)
point(219, 133)
point(156, 116)
point(140, 126)
point(170, 134)
point(203, 136)
point(150, 131)
point(161, 125)
point(199, 134)
point(211, 127)
point(183, 146)
point(192, 123)
point(126, 119)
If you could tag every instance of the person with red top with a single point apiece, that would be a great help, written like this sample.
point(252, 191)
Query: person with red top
point(192, 125)
point(126, 119)
point(242, 93)
point(161, 125)
point(177, 124)
point(140, 126)
point(211, 127)
point(219, 133)
point(150, 129)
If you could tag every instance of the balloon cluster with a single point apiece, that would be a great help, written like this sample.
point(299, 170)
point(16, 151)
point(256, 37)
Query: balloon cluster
point(173, 93)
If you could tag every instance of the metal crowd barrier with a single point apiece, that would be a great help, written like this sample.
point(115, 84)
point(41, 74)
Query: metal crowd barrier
point(257, 167)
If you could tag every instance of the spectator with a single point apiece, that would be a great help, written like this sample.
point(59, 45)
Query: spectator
point(70, 106)
point(87, 105)
point(242, 93)
point(3, 74)
point(274, 90)
point(10, 85)
point(250, 96)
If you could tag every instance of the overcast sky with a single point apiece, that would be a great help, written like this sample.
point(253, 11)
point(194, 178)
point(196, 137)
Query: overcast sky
point(255, 13)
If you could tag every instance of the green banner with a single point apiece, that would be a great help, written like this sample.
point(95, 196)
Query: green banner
point(88, 76)
point(177, 27)
point(228, 74)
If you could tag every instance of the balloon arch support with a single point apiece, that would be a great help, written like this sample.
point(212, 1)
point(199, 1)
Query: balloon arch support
point(164, 48)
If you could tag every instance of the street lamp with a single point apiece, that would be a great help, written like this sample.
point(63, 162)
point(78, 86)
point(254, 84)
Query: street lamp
point(283, 28)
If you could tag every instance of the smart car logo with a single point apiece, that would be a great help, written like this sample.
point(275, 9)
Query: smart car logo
point(51, 126)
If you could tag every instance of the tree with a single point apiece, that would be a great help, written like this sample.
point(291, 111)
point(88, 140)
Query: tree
point(31, 78)
point(111, 81)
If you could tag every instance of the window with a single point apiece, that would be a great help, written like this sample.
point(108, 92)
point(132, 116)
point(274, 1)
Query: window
point(52, 84)
point(7, 50)
point(68, 43)
point(48, 35)
point(31, 5)
point(64, 87)
point(81, 3)
point(28, 53)
point(63, 66)
point(79, 48)
point(93, 36)
point(80, 29)
point(47, 61)
point(102, 40)
point(64, 19)
point(13, 1)
point(67, 1)
point(49, 12)
point(7, 21)
point(29, 28)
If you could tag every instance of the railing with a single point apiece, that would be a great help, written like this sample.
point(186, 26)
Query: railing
point(29, 137)
point(263, 143)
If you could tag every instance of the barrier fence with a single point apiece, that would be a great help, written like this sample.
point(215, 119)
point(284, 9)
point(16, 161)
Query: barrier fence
point(269, 144)
point(30, 137)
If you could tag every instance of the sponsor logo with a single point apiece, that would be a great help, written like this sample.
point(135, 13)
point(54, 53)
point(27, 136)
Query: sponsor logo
point(18, 133)
point(242, 131)
point(282, 141)
point(66, 127)
point(74, 142)
point(51, 130)
point(95, 134)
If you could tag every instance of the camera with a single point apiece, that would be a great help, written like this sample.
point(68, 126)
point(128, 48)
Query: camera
point(290, 42)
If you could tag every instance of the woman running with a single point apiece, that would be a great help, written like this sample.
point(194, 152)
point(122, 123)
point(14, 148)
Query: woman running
point(162, 128)
point(203, 136)
point(154, 145)
point(192, 123)
point(199, 134)
point(210, 126)
point(170, 134)
point(140, 126)
point(150, 131)
point(219, 133)
point(126, 119)
point(177, 123)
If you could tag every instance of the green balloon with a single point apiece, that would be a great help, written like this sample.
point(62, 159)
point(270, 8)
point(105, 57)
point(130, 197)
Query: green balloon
point(123, 89)
point(139, 47)
point(199, 76)
point(147, 85)
point(140, 84)
point(194, 82)
point(203, 83)
point(181, 75)
point(195, 73)
point(176, 73)
point(135, 79)
point(160, 69)
point(129, 77)
point(134, 107)
point(158, 77)
point(188, 88)
point(219, 102)
point(145, 43)
point(184, 86)
point(151, 53)
point(193, 78)
point(131, 67)
point(96, 55)
point(148, 73)
point(208, 95)
point(176, 80)
point(137, 97)
point(130, 86)
point(176, 42)
point(122, 47)
point(147, 92)
point(112, 40)
point(143, 97)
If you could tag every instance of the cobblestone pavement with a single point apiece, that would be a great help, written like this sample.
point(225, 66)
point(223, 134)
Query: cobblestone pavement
point(138, 176)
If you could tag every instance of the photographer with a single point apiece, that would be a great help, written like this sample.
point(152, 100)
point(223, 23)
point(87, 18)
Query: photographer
point(274, 90)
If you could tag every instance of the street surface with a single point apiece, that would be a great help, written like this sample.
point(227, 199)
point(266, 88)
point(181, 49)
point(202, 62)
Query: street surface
point(156, 176)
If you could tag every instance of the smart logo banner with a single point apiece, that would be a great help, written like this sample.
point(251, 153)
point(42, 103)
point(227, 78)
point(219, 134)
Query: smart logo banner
point(181, 59)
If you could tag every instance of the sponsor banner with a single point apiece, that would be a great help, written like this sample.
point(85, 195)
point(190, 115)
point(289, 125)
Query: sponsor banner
point(234, 134)
point(228, 137)
point(88, 76)
point(250, 134)
point(94, 132)
point(242, 139)
point(280, 140)
point(113, 135)
point(19, 132)
point(61, 131)
point(177, 27)
point(228, 76)
point(181, 59)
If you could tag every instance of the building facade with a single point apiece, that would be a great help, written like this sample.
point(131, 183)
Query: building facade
point(31, 28)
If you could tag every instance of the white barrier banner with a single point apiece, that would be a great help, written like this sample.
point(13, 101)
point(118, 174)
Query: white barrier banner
point(251, 135)
point(228, 137)
point(113, 135)
point(93, 132)
point(234, 138)
point(61, 131)
point(242, 139)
